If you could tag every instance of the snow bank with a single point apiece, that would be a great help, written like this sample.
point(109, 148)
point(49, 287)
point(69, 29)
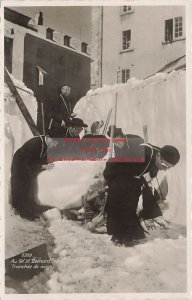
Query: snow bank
point(14, 119)
point(17, 131)
point(159, 103)
point(67, 182)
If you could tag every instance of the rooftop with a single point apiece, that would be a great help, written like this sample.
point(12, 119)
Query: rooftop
point(25, 24)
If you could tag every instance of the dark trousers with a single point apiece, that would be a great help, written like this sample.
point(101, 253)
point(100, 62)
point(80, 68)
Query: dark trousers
point(151, 208)
point(23, 192)
point(121, 206)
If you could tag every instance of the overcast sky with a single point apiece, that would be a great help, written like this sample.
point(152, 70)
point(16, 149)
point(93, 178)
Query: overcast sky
point(72, 20)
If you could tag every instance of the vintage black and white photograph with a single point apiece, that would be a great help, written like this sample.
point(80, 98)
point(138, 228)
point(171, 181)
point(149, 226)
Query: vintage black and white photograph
point(95, 150)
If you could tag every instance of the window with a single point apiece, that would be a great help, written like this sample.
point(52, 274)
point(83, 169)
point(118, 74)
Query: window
point(39, 52)
point(178, 27)
point(41, 74)
point(78, 66)
point(125, 75)
point(173, 29)
point(49, 34)
point(127, 8)
point(119, 76)
point(84, 47)
point(126, 43)
point(67, 40)
point(41, 78)
point(60, 60)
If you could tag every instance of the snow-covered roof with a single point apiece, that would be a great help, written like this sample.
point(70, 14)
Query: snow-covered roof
point(40, 34)
point(176, 64)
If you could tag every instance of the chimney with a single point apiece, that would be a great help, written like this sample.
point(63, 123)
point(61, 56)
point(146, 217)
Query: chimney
point(66, 40)
point(84, 47)
point(40, 20)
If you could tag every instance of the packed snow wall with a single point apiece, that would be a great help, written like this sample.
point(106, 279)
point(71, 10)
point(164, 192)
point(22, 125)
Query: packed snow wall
point(17, 131)
point(158, 102)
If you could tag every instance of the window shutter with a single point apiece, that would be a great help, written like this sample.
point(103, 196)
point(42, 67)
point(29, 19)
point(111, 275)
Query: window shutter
point(169, 30)
point(41, 77)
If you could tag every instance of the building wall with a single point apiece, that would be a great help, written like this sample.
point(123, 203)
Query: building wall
point(18, 54)
point(28, 50)
point(63, 67)
point(96, 49)
point(148, 52)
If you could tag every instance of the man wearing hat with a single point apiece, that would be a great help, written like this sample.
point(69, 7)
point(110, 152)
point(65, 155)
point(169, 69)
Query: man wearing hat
point(68, 146)
point(126, 182)
point(62, 113)
point(76, 125)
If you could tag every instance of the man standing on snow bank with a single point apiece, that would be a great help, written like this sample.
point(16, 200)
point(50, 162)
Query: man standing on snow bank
point(62, 113)
point(28, 161)
point(126, 182)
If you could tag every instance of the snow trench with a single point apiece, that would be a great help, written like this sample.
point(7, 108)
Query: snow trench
point(159, 103)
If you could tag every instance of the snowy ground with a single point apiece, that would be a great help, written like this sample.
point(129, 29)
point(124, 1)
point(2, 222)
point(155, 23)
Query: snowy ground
point(90, 263)
point(22, 235)
point(86, 262)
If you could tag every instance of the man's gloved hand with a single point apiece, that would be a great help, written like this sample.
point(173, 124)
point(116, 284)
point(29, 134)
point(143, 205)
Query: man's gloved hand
point(149, 181)
point(48, 167)
point(161, 222)
point(148, 178)
point(150, 224)
point(73, 115)
point(63, 123)
point(156, 223)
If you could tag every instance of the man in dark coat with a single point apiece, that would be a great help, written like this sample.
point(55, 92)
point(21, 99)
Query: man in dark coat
point(126, 183)
point(69, 146)
point(62, 113)
point(28, 161)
